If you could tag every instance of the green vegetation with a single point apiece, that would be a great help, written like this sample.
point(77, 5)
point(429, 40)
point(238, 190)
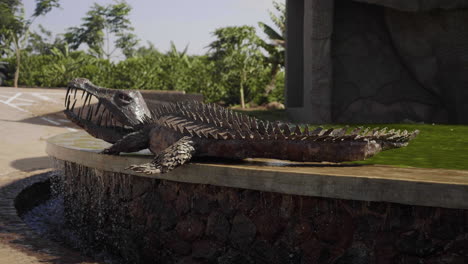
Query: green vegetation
point(437, 146)
point(99, 24)
point(14, 28)
point(239, 68)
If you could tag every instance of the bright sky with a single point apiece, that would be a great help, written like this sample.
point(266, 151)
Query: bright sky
point(182, 21)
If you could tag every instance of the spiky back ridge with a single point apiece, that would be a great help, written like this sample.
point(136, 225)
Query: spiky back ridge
point(211, 121)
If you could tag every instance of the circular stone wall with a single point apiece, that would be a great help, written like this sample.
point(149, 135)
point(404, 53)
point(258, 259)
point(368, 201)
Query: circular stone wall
point(168, 219)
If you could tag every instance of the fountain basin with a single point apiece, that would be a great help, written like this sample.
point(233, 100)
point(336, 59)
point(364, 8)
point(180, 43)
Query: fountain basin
point(260, 210)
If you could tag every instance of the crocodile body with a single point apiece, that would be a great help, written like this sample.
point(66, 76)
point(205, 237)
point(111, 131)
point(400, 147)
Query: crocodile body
point(176, 132)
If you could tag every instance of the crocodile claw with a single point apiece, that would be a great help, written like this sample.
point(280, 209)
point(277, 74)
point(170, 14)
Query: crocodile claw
point(107, 151)
point(147, 168)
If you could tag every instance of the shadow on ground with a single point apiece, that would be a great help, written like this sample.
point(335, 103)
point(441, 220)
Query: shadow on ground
point(54, 119)
point(31, 164)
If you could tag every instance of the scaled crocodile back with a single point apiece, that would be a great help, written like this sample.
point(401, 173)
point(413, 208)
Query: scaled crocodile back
point(212, 121)
point(204, 120)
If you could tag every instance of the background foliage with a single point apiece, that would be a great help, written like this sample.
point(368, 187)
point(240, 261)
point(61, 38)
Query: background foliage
point(237, 60)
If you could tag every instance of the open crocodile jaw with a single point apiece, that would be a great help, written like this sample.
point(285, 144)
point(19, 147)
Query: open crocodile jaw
point(116, 114)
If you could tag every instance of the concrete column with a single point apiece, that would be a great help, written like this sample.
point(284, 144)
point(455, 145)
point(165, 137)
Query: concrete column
point(294, 53)
point(318, 29)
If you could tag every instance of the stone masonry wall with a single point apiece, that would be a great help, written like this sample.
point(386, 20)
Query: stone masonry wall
point(392, 65)
point(145, 220)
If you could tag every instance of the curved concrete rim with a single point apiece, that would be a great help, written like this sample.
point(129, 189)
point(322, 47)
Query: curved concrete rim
point(413, 186)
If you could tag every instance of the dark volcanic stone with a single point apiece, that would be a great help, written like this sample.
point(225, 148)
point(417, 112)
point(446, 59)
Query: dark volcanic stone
point(205, 249)
point(168, 222)
point(263, 252)
point(268, 225)
point(377, 207)
point(336, 230)
point(384, 249)
point(168, 218)
point(311, 251)
point(140, 186)
point(227, 200)
point(234, 257)
point(415, 244)
point(217, 226)
point(182, 204)
point(286, 254)
point(358, 254)
point(190, 228)
point(201, 204)
point(249, 200)
point(287, 206)
point(187, 260)
point(460, 247)
point(242, 232)
point(178, 246)
point(167, 191)
point(302, 231)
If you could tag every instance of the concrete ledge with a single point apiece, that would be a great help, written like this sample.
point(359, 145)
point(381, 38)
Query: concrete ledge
point(413, 186)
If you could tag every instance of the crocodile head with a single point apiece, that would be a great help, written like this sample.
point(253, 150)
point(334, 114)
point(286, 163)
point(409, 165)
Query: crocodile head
point(108, 114)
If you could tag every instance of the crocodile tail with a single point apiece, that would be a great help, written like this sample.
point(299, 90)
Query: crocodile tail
point(397, 139)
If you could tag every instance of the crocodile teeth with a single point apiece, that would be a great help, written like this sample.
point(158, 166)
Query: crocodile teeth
point(73, 105)
point(90, 113)
point(97, 108)
point(67, 103)
point(66, 96)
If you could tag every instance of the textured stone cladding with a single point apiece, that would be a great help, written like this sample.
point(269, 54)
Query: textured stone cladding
point(146, 220)
point(391, 65)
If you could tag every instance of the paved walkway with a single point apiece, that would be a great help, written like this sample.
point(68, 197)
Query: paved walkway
point(27, 118)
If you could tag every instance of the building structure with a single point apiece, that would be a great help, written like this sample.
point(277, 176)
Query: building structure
point(377, 61)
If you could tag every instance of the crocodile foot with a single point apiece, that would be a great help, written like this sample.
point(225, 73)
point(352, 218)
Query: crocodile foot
point(173, 156)
point(147, 168)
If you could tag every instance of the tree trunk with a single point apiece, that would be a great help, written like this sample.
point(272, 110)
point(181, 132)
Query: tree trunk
point(242, 95)
point(18, 64)
point(243, 77)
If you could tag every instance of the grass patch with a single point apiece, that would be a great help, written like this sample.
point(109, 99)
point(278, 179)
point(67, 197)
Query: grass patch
point(437, 146)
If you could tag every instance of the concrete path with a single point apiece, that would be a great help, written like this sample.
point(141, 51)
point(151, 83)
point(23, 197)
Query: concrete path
point(27, 118)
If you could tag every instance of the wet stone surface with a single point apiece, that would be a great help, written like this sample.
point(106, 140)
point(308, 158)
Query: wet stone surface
point(144, 220)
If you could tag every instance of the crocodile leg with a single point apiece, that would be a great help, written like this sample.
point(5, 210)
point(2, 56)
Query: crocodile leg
point(168, 159)
point(130, 143)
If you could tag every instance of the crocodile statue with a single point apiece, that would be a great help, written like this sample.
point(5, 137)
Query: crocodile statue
point(176, 132)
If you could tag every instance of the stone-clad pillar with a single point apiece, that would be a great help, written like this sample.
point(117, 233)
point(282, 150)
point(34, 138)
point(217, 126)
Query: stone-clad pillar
point(295, 53)
point(318, 29)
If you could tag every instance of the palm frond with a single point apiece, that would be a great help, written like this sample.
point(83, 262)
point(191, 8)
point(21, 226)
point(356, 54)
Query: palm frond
point(270, 32)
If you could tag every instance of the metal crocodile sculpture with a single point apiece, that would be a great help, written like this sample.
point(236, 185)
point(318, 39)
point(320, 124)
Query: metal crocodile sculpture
point(176, 132)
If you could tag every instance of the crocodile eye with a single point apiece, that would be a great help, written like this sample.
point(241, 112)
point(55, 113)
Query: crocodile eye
point(125, 97)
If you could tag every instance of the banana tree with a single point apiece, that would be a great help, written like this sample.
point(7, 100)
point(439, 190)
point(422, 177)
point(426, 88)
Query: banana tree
point(277, 43)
